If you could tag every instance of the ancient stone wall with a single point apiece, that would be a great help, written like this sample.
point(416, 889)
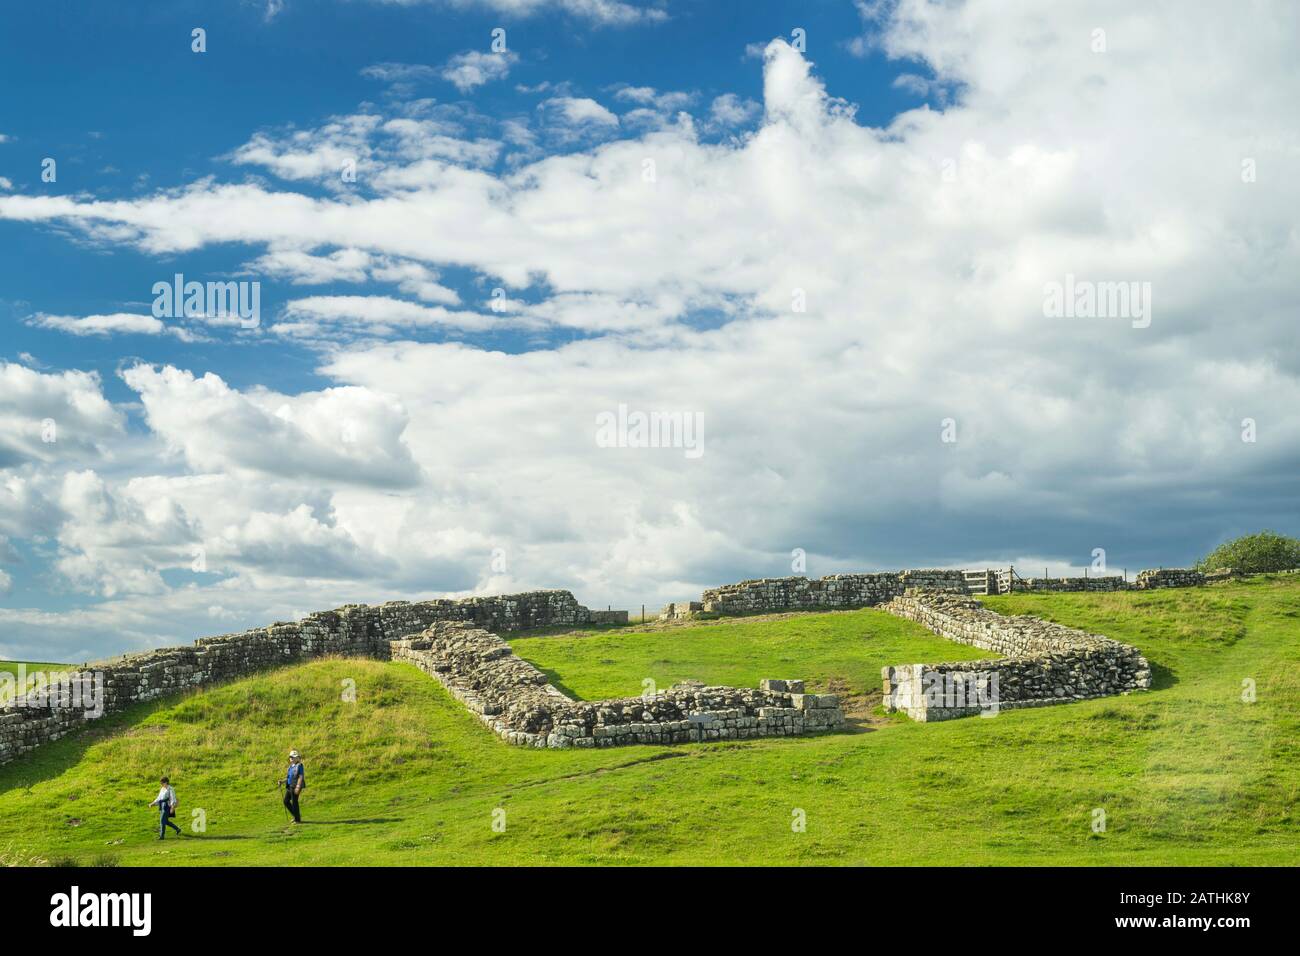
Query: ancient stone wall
point(1169, 578)
point(514, 699)
point(1231, 574)
point(1043, 663)
point(455, 646)
point(1145, 581)
point(1109, 583)
point(832, 591)
point(866, 590)
point(354, 629)
point(687, 611)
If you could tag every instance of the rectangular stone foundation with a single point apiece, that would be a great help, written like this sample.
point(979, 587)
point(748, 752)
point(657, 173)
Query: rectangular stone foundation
point(1046, 663)
point(514, 699)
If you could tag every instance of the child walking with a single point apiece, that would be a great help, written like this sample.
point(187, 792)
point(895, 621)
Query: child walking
point(166, 804)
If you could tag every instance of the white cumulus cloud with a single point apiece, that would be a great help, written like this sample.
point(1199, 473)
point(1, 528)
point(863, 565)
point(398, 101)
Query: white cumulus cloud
point(473, 68)
point(821, 293)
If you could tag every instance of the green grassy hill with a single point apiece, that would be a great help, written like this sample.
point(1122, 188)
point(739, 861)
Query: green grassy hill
point(11, 667)
point(1186, 773)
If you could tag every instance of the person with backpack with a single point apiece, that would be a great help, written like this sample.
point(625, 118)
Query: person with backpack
point(166, 803)
point(294, 784)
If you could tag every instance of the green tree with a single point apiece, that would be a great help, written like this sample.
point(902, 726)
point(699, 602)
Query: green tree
point(1254, 553)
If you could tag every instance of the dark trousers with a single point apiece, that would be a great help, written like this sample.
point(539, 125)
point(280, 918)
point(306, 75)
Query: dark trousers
point(164, 821)
point(291, 804)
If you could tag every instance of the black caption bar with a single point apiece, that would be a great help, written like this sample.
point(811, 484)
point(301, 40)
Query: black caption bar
point(335, 905)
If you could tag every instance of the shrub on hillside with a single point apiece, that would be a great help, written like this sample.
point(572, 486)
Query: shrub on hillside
point(1254, 554)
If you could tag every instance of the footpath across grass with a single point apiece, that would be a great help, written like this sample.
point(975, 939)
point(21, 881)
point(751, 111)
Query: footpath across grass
point(1203, 769)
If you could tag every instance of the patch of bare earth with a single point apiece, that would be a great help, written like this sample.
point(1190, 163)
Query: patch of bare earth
point(859, 709)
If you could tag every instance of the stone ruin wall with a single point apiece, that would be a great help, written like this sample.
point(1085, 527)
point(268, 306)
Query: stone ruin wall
point(1173, 578)
point(1146, 581)
point(455, 646)
point(1109, 583)
point(352, 630)
point(867, 590)
point(1044, 663)
point(832, 591)
point(1029, 676)
point(515, 700)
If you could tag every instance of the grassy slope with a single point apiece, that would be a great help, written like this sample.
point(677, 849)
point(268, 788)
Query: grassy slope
point(11, 667)
point(1186, 773)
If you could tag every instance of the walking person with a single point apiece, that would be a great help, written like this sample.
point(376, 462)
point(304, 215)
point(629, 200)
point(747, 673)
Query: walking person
point(166, 804)
point(294, 784)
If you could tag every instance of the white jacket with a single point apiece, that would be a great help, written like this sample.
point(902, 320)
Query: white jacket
point(165, 795)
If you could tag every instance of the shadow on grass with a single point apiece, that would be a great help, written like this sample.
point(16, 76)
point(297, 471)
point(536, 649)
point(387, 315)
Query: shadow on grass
point(54, 758)
point(861, 725)
point(51, 760)
point(1162, 677)
point(209, 838)
point(553, 678)
point(333, 823)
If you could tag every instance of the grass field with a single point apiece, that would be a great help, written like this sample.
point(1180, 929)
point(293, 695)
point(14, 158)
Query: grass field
point(11, 667)
point(1187, 773)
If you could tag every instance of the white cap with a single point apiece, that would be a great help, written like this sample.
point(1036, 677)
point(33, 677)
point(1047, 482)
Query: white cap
point(293, 753)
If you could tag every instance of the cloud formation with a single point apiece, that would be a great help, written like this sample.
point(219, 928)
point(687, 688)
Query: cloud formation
point(101, 324)
point(827, 296)
point(473, 68)
point(618, 13)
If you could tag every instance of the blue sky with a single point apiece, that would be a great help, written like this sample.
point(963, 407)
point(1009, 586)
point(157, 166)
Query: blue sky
point(116, 95)
point(818, 253)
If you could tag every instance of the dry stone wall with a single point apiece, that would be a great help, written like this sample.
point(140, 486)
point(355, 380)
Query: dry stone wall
point(1169, 578)
point(514, 699)
point(1043, 663)
point(1230, 574)
point(1108, 583)
point(832, 591)
point(1145, 581)
point(456, 645)
point(687, 611)
point(107, 687)
point(866, 590)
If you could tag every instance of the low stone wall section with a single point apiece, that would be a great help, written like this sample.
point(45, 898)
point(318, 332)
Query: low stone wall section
point(352, 630)
point(457, 644)
point(1043, 663)
point(1085, 668)
point(1170, 578)
point(832, 591)
point(1107, 583)
point(515, 700)
point(1146, 581)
